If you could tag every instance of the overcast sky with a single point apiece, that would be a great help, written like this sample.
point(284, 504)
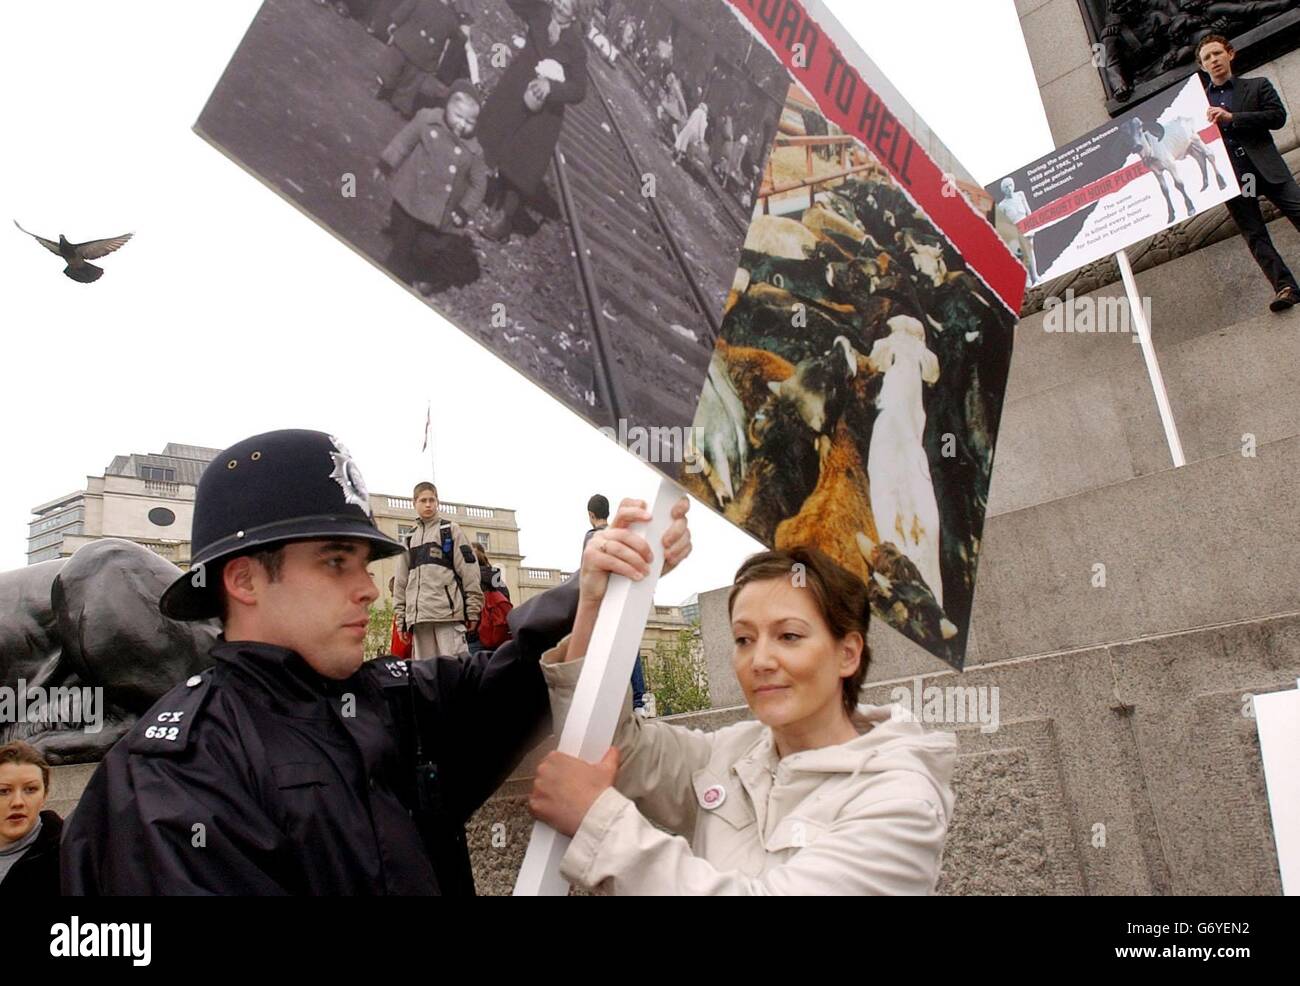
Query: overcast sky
point(231, 313)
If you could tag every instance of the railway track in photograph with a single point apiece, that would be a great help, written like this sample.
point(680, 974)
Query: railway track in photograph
point(644, 298)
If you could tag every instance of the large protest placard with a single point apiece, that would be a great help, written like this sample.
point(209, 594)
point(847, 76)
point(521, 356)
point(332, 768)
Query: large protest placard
point(703, 225)
point(1158, 164)
point(853, 398)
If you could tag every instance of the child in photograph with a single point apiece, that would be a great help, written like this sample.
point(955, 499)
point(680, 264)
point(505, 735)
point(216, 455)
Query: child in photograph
point(438, 182)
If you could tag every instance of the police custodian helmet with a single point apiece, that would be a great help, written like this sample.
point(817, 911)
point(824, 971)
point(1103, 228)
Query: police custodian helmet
point(262, 492)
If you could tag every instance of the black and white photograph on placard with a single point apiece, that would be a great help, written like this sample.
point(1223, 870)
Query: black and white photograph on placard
point(567, 181)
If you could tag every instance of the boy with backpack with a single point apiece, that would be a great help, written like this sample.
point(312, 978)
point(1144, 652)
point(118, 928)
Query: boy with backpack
point(437, 595)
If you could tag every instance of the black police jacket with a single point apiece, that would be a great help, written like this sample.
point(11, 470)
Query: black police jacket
point(259, 776)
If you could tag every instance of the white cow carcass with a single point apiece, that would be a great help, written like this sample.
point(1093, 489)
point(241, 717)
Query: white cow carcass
point(902, 493)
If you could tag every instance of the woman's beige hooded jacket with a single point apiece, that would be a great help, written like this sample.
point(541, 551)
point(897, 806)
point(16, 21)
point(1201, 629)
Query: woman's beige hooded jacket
point(864, 817)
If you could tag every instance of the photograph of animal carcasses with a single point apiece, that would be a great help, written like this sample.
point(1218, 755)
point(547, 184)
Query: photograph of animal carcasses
point(855, 391)
point(567, 181)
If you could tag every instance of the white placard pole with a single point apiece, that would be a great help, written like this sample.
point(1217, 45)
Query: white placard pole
point(1277, 717)
point(1138, 315)
point(598, 698)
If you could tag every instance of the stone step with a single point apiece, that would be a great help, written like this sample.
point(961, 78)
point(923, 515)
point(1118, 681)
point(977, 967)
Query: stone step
point(1213, 542)
point(1099, 424)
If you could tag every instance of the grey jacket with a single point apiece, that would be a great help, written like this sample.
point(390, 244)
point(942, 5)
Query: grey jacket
point(432, 588)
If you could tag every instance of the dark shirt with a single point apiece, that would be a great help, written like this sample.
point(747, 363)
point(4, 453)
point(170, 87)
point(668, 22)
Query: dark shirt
point(587, 537)
point(1222, 96)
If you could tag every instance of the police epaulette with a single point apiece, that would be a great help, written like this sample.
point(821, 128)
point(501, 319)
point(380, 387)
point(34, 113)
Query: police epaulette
point(390, 670)
point(165, 728)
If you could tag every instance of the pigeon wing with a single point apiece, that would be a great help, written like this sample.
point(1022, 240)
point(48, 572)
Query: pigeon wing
point(48, 244)
point(94, 249)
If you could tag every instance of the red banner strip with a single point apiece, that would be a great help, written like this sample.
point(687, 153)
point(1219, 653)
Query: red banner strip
point(848, 101)
point(1072, 202)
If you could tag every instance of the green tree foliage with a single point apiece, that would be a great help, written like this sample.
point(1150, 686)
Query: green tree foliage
point(676, 674)
point(379, 633)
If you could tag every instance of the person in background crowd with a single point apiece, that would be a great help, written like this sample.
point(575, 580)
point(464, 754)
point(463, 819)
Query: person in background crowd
point(663, 58)
point(439, 595)
point(628, 36)
point(493, 625)
point(421, 36)
point(816, 796)
point(524, 115)
point(1246, 109)
point(693, 133)
point(438, 184)
point(672, 103)
point(598, 517)
point(719, 138)
point(29, 836)
point(734, 163)
point(490, 574)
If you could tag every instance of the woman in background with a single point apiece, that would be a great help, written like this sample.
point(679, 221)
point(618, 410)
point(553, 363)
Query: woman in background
point(523, 117)
point(29, 836)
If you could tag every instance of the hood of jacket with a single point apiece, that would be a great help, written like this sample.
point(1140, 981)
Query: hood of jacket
point(889, 738)
point(891, 745)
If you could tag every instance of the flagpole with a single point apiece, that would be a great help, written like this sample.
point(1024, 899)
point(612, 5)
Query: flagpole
point(428, 439)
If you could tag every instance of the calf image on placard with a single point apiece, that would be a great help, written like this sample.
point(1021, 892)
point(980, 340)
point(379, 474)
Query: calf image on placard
point(568, 182)
point(855, 392)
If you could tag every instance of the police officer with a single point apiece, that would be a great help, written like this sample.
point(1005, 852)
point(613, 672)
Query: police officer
point(290, 766)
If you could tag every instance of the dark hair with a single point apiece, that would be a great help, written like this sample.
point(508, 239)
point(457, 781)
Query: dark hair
point(841, 598)
point(20, 752)
point(1210, 39)
point(481, 555)
point(598, 507)
point(421, 487)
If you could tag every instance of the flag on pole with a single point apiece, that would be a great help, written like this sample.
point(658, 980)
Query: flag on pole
point(428, 426)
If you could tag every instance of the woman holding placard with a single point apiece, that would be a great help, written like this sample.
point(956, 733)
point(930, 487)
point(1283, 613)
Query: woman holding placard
point(816, 795)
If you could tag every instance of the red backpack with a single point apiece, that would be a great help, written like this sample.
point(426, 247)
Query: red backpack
point(493, 630)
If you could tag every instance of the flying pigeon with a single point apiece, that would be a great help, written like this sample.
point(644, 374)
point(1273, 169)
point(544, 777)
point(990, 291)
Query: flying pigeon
point(77, 254)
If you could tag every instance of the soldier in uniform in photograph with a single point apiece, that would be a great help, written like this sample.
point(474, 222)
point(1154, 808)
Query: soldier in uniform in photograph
point(291, 766)
point(425, 40)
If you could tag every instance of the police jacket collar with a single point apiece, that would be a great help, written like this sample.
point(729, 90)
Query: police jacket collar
point(283, 672)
